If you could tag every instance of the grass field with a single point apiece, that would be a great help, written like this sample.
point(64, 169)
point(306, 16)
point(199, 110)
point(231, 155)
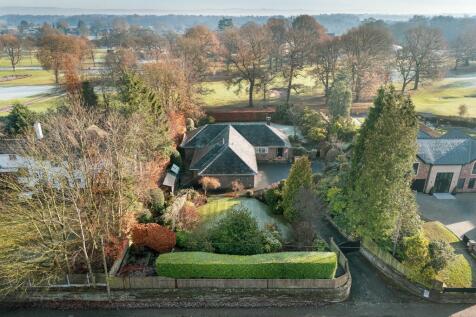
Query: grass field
point(444, 97)
point(38, 77)
point(38, 103)
point(223, 95)
point(459, 272)
point(27, 60)
point(217, 206)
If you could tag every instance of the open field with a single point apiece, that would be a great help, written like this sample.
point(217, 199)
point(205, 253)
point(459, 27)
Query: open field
point(36, 77)
point(27, 60)
point(37, 103)
point(444, 97)
point(217, 206)
point(458, 273)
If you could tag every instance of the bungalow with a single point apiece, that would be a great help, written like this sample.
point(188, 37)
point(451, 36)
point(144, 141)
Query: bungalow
point(231, 151)
point(445, 164)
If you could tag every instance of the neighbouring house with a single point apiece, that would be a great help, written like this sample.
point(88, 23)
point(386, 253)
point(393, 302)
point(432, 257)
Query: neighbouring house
point(31, 171)
point(231, 151)
point(445, 164)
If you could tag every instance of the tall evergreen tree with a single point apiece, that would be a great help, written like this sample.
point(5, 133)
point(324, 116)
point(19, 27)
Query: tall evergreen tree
point(340, 98)
point(140, 100)
point(381, 203)
point(299, 177)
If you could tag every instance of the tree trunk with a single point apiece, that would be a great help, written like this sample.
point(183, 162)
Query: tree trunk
point(56, 75)
point(417, 80)
point(250, 93)
point(290, 84)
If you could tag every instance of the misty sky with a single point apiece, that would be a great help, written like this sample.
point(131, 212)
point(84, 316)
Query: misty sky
point(302, 6)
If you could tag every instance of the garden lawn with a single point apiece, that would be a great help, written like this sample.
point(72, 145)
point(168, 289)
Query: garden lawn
point(218, 206)
point(283, 265)
point(459, 272)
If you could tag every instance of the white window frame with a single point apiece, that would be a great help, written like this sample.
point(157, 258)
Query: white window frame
point(261, 150)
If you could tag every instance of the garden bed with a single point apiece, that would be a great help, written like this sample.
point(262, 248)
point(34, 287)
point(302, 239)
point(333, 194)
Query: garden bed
point(284, 265)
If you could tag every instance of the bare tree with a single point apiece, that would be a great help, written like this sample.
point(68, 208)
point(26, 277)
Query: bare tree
point(196, 48)
point(366, 51)
point(301, 37)
point(247, 51)
point(465, 46)
point(424, 47)
point(12, 47)
point(405, 65)
point(326, 57)
point(55, 49)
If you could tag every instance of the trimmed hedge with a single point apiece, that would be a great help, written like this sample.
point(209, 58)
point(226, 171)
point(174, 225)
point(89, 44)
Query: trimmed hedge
point(282, 265)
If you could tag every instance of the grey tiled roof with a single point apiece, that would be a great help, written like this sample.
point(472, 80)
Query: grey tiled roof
point(227, 153)
point(11, 146)
point(453, 148)
point(257, 134)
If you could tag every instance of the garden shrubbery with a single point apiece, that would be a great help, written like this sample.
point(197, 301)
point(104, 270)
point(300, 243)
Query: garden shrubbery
point(154, 236)
point(237, 232)
point(284, 265)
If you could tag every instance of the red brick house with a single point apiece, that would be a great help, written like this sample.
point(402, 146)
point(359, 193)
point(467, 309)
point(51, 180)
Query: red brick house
point(231, 151)
point(446, 163)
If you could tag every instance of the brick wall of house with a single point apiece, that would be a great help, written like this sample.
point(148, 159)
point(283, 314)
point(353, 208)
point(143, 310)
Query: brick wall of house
point(466, 174)
point(423, 170)
point(272, 155)
point(225, 180)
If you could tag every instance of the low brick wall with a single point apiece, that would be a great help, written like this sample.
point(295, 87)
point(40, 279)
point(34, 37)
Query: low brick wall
point(241, 115)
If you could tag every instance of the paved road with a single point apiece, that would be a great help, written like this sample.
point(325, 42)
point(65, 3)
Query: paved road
point(459, 214)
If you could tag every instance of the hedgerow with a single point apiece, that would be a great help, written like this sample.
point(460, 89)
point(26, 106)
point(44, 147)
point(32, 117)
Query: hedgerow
point(283, 265)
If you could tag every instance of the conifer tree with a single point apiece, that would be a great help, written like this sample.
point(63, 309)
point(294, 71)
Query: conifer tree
point(382, 205)
point(299, 177)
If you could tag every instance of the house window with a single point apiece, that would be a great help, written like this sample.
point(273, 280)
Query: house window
point(461, 183)
point(12, 157)
point(472, 183)
point(415, 168)
point(261, 150)
point(474, 169)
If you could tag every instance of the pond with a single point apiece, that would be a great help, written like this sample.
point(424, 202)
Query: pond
point(217, 206)
point(17, 92)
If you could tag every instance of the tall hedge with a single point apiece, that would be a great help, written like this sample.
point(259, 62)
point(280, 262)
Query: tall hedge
point(283, 265)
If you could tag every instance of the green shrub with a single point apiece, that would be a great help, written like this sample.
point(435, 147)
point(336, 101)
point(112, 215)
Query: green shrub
point(441, 254)
point(197, 240)
point(272, 239)
point(237, 233)
point(320, 245)
point(176, 158)
point(273, 198)
point(156, 200)
point(283, 265)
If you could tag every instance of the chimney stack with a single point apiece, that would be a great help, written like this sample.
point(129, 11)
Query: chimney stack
point(38, 130)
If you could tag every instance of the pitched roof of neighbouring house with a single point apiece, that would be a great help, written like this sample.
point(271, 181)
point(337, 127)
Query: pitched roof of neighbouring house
point(227, 153)
point(453, 148)
point(257, 134)
point(11, 146)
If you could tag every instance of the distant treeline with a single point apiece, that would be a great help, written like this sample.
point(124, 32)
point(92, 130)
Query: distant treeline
point(334, 23)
